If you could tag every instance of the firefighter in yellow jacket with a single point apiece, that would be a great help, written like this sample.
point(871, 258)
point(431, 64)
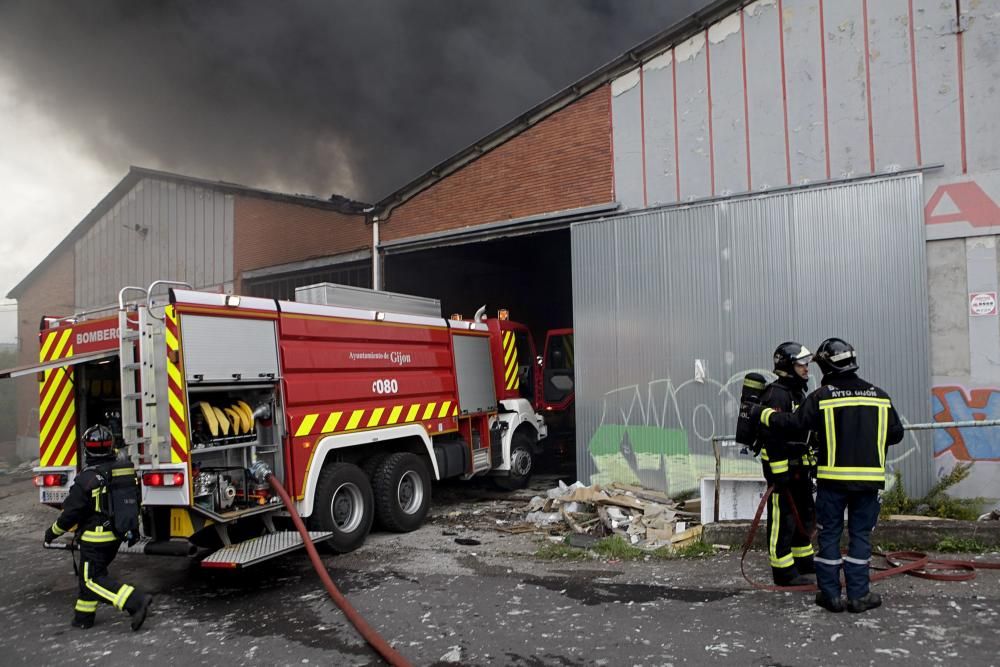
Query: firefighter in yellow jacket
point(856, 422)
point(787, 465)
point(86, 510)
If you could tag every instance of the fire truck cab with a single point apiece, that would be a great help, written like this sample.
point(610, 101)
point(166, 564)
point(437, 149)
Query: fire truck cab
point(355, 399)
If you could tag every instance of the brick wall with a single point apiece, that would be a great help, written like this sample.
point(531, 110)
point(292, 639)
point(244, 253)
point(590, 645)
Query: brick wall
point(562, 162)
point(50, 293)
point(267, 233)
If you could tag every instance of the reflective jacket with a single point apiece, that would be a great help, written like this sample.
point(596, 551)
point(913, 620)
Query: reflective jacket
point(83, 508)
point(780, 451)
point(855, 422)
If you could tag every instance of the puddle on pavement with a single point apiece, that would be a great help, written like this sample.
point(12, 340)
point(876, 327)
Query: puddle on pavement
point(586, 591)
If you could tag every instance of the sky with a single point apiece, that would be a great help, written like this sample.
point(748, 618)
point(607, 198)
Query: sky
point(315, 97)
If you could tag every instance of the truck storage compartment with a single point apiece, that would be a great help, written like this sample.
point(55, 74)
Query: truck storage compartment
point(232, 426)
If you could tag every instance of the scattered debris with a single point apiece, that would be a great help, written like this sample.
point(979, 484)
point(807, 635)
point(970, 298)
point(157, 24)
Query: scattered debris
point(991, 516)
point(641, 516)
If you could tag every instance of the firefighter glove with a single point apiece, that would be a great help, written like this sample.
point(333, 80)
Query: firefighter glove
point(50, 535)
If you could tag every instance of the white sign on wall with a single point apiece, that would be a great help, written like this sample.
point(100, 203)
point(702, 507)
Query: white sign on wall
point(982, 303)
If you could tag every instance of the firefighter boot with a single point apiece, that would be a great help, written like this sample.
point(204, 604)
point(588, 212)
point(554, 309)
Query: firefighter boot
point(83, 620)
point(869, 601)
point(138, 607)
point(836, 605)
point(789, 576)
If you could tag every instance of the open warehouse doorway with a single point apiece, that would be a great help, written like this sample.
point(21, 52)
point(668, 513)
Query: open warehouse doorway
point(530, 277)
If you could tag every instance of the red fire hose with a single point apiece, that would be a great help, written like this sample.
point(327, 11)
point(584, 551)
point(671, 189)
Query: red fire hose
point(913, 563)
point(371, 636)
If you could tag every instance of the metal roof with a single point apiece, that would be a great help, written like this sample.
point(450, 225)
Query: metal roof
point(136, 174)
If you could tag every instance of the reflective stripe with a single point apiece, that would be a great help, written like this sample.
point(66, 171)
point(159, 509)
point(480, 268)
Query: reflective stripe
point(827, 561)
point(831, 437)
point(123, 595)
point(117, 599)
point(803, 552)
point(763, 455)
point(883, 426)
point(98, 535)
point(784, 561)
point(86, 606)
point(854, 402)
point(857, 561)
point(765, 416)
point(851, 474)
point(779, 467)
point(121, 472)
point(753, 384)
point(772, 549)
point(57, 530)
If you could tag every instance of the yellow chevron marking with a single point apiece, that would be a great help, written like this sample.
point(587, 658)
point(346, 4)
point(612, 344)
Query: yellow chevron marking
point(170, 338)
point(54, 412)
point(412, 414)
point(454, 413)
point(376, 416)
point(510, 369)
point(178, 434)
point(175, 374)
point(355, 419)
point(331, 422)
point(444, 410)
point(61, 346)
point(43, 355)
point(506, 339)
point(61, 434)
point(52, 391)
point(429, 411)
point(306, 426)
point(508, 353)
point(394, 415)
point(175, 403)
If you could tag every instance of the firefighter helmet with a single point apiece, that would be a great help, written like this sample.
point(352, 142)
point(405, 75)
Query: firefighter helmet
point(98, 440)
point(787, 355)
point(835, 355)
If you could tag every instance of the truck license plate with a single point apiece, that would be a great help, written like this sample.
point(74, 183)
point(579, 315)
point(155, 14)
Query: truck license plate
point(54, 495)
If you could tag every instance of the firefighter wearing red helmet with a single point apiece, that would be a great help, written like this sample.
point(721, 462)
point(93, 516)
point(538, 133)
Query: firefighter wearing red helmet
point(855, 422)
point(104, 484)
point(787, 464)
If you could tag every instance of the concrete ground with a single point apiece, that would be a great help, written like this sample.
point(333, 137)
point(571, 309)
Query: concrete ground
point(492, 603)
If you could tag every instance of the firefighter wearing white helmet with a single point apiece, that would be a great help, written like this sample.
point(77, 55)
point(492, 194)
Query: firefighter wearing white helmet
point(855, 422)
point(787, 464)
point(104, 485)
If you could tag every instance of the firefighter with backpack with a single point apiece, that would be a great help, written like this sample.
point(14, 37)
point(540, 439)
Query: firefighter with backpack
point(103, 509)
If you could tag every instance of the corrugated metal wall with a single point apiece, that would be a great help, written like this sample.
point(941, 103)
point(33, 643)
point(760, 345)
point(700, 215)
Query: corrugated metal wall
point(661, 296)
point(160, 231)
point(782, 92)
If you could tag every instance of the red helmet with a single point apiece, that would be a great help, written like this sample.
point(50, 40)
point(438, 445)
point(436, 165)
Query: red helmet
point(98, 440)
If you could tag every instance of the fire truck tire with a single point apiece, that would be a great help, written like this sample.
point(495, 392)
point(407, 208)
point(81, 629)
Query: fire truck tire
point(402, 486)
point(521, 464)
point(344, 506)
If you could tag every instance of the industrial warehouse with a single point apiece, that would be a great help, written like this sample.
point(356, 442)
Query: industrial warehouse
point(594, 290)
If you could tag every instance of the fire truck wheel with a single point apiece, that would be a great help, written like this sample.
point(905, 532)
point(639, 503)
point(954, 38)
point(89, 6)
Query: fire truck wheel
point(344, 506)
point(402, 486)
point(521, 464)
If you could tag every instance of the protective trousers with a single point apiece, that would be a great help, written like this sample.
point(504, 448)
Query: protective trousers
point(95, 583)
point(862, 512)
point(789, 547)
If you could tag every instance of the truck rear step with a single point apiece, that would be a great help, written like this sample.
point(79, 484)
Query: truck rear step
point(259, 549)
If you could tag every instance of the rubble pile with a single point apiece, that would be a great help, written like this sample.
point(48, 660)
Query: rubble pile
point(645, 518)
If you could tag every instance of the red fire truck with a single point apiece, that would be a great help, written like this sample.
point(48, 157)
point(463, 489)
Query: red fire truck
point(356, 401)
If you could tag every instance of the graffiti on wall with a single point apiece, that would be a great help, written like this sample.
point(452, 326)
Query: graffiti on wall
point(659, 436)
point(952, 403)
